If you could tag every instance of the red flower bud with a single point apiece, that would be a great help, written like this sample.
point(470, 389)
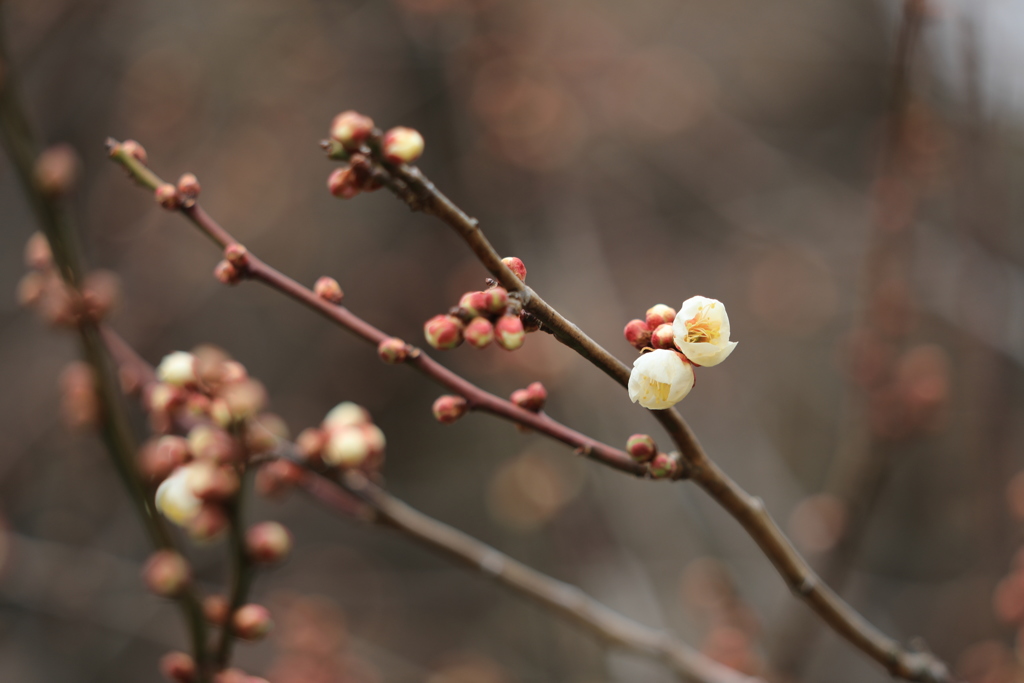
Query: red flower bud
point(473, 303)
point(351, 128)
point(237, 255)
point(213, 483)
point(134, 150)
point(638, 334)
point(328, 289)
point(268, 542)
point(275, 479)
point(443, 332)
point(178, 667)
point(393, 350)
point(227, 273)
point(479, 332)
point(660, 314)
point(344, 182)
point(166, 573)
point(251, 622)
point(310, 443)
point(664, 466)
point(161, 456)
point(188, 188)
point(663, 337)
point(641, 447)
point(516, 265)
point(448, 408)
point(531, 398)
point(166, 195)
point(509, 332)
point(402, 145)
point(209, 523)
point(495, 300)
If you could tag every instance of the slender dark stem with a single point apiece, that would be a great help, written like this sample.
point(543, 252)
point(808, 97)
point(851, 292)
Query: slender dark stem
point(19, 141)
point(242, 572)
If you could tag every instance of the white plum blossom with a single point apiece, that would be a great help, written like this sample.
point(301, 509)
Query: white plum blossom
point(178, 368)
point(176, 497)
point(701, 331)
point(660, 379)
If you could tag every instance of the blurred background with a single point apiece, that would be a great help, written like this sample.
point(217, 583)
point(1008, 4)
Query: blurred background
point(847, 180)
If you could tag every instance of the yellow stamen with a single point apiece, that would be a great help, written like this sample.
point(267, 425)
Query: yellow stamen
point(700, 329)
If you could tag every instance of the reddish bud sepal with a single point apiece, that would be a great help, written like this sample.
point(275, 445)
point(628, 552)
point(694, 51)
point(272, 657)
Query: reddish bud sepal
point(188, 189)
point(251, 622)
point(641, 447)
point(393, 350)
point(237, 255)
point(509, 332)
point(166, 573)
point(328, 289)
point(343, 182)
point(448, 408)
point(166, 195)
point(227, 273)
point(516, 265)
point(531, 398)
point(663, 337)
point(209, 524)
point(161, 456)
point(660, 314)
point(402, 145)
point(479, 332)
point(178, 667)
point(443, 332)
point(268, 542)
point(351, 129)
point(638, 334)
point(664, 466)
point(134, 150)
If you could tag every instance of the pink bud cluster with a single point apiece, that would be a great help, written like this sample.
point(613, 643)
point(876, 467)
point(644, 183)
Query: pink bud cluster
point(43, 289)
point(354, 138)
point(347, 438)
point(643, 449)
point(654, 331)
point(482, 317)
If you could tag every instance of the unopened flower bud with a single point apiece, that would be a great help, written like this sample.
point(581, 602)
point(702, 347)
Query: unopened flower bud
point(227, 273)
point(402, 145)
point(101, 292)
point(393, 350)
point(159, 457)
point(209, 524)
point(237, 255)
point(31, 288)
point(348, 447)
point(509, 332)
point(310, 444)
point(177, 369)
point(268, 542)
point(167, 196)
point(56, 169)
point(479, 332)
point(516, 265)
point(188, 189)
point(277, 478)
point(166, 573)
point(163, 397)
point(251, 622)
point(37, 252)
point(664, 466)
point(209, 443)
point(659, 314)
point(343, 182)
point(350, 128)
point(495, 300)
point(531, 398)
point(443, 332)
point(638, 334)
point(473, 303)
point(210, 482)
point(134, 150)
point(663, 337)
point(448, 408)
point(215, 609)
point(641, 447)
point(328, 289)
point(346, 414)
point(244, 399)
point(178, 667)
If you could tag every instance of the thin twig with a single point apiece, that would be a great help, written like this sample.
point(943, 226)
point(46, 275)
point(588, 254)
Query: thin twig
point(242, 572)
point(422, 195)
point(19, 141)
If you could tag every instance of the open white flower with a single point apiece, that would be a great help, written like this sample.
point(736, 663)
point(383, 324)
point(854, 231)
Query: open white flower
point(702, 331)
point(176, 497)
point(660, 379)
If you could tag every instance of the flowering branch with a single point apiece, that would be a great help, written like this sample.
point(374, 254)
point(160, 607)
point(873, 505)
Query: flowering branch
point(413, 187)
point(246, 264)
point(19, 142)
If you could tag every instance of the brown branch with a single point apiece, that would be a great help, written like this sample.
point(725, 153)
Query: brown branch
point(478, 399)
point(409, 183)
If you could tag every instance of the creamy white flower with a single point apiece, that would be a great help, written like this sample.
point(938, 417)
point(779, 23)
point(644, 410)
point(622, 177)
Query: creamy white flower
point(178, 368)
point(346, 414)
point(176, 497)
point(660, 379)
point(348, 447)
point(701, 331)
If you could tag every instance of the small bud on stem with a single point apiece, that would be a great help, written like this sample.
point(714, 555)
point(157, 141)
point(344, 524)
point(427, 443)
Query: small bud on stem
point(402, 145)
point(393, 350)
point(328, 289)
point(516, 265)
point(641, 447)
point(449, 408)
point(166, 573)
